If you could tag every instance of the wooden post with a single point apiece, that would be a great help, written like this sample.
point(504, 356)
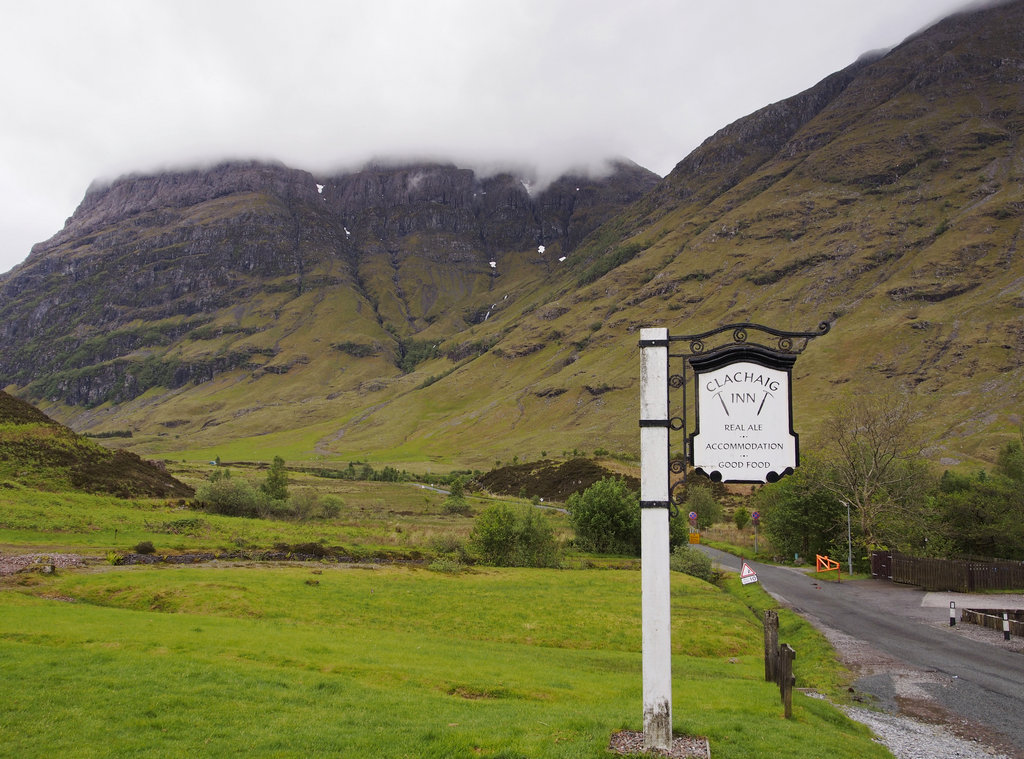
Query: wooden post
point(771, 645)
point(786, 657)
point(654, 540)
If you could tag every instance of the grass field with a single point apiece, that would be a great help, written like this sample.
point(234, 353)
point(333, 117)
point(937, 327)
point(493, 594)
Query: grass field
point(354, 661)
point(395, 518)
point(367, 660)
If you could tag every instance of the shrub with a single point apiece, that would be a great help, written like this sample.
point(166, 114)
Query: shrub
point(307, 503)
point(514, 537)
point(741, 517)
point(234, 497)
point(689, 560)
point(330, 506)
point(606, 517)
point(146, 546)
point(456, 506)
point(446, 564)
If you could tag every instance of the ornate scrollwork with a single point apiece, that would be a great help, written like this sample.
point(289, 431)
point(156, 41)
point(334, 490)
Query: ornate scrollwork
point(676, 423)
point(676, 381)
point(677, 466)
point(675, 500)
point(788, 342)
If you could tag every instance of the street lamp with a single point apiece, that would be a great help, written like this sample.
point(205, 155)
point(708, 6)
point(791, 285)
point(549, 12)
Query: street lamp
point(849, 539)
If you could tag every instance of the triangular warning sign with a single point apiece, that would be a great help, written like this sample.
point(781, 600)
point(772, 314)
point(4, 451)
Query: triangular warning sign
point(747, 571)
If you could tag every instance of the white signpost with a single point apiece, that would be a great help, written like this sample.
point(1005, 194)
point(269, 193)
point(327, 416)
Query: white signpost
point(654, 567)
point(743, 434)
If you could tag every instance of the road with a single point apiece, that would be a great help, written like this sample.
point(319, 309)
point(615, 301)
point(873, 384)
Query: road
point(969, 673)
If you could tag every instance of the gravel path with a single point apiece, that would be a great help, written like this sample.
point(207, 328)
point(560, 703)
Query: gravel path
point(11, 564)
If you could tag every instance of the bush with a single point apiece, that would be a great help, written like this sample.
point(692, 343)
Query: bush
point(146, 546)
point(446, 565)
point(514, 537)
point(446, 544)
point(606, 517)
point(456, 506)
point(691, 561)
point(307, 503)
point(234, 497)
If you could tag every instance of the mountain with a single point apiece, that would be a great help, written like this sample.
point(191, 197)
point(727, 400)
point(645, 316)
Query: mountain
point(37, 452)
point(423, 313)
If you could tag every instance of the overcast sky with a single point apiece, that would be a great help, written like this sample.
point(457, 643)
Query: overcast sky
point(92, 90)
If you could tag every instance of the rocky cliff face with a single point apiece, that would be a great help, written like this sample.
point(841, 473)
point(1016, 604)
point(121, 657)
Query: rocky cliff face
point(172, 250)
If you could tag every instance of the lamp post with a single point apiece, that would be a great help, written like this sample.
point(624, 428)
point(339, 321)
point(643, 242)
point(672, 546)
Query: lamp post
point(849, 539)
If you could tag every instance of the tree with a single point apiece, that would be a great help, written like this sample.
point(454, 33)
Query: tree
point(981, 514)
point(741, 517)
point(700, 500)
point(1010, 462)
point(276, 484)
point(799, 516)
point(606, 517)
point(873, 459)
point(455, 503)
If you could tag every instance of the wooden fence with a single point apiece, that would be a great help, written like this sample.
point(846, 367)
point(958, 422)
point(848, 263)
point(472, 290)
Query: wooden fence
point(993, 618)
point(962, 575)
point(778, 661)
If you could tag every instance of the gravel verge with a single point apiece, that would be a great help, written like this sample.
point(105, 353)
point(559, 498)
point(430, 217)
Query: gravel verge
point(909, 739)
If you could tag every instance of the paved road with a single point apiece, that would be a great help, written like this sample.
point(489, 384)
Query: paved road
point(978, 680)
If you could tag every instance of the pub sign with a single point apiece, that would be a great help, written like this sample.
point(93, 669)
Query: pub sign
point(744, 403)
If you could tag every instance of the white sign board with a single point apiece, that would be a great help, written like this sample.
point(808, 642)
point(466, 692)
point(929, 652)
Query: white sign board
point(744, 429)
point(747, 575)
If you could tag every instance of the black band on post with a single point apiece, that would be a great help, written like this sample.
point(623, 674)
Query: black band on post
point(655, 422)
point(654, 504)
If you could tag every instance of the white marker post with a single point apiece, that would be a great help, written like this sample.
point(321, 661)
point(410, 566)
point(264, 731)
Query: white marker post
point(654, 539)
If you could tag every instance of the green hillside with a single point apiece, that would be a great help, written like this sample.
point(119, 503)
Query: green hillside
point(38, 453)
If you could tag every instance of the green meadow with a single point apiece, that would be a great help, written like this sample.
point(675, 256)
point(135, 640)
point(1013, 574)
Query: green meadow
point(391, 518)
point(383, 661)
point(385, 657)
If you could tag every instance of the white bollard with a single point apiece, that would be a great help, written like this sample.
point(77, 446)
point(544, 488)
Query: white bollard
point(952, 613)
point(654, 540)
point(1006, 626)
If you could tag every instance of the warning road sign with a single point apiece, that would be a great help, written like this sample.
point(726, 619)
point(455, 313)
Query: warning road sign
point(747, 575)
